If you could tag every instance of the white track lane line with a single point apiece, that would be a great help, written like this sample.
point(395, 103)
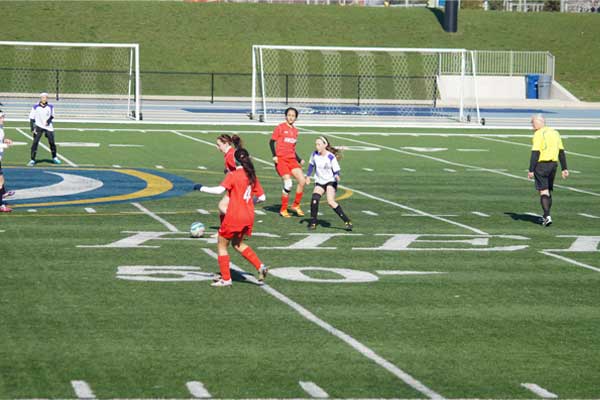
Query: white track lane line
point(82, 390)
point(441, 160)
point(197, 390)
point(167, 225)
point(355, 344)
point(540, 391)
point(65, 159)
point(313, 390)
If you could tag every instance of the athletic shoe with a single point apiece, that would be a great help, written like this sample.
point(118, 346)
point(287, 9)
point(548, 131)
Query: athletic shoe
point(8, 194)
point(547, 221)
point(312, 227)
point(285, 214)
point(348, 226)
point(55, 160)
point(31, 163)
point(298, 211)
point(263, 271)
point(221, 283)
point(216, 277)
point(4, 208)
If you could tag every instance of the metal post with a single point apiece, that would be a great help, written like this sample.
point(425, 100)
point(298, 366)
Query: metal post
point(358, 92)
point(138, 89)
point(212, 88)
point(286, 89)
point(57, 83)
point(253, 110)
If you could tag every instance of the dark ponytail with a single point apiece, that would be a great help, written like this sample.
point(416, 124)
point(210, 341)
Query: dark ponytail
point(236, 141)
point(243, 158)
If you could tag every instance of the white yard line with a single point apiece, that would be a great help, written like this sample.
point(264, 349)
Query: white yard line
point(259, 212)
point(167, 225)
point(441, 160)
point(90, 210)
point(409, 170)
point(540, 391)
point(528, 145)
point(355, 344)
point(203, 211)
point(370, 213)
point(82, 390)
point(65, 159)
point(159, 167)
point(479, 213)
point(368, 169)
point(116, 166)
point(414, 210)
point(313, 390)
point(197, 390)
point(588, 215)
point(449, 170)
point(570, 261)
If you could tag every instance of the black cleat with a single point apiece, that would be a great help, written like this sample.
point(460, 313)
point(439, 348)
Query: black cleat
point(312, 226)
point(348, 225)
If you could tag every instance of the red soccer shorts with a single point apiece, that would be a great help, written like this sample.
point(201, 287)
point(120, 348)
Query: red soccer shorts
point(286, 165)
point(228, 233)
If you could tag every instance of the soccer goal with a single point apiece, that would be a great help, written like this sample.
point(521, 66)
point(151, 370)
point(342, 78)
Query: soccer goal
point(350, 82)
point(86, 81)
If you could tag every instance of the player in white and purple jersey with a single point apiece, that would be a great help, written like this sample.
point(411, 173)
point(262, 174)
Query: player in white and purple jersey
point(324, 164)
point(4, 143)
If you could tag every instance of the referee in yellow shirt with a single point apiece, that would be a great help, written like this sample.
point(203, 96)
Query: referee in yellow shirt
point(547, 149)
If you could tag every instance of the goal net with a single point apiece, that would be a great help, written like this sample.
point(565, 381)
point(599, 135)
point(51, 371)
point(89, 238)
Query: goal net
point(84, 80)
point(349, 82)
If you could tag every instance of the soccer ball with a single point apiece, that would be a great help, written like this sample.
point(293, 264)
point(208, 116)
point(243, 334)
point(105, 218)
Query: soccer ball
point(197, 230)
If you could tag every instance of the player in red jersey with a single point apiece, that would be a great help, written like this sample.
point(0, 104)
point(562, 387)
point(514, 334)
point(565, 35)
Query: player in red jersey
point(244, 190)
point(287, 161)
point(227, 145)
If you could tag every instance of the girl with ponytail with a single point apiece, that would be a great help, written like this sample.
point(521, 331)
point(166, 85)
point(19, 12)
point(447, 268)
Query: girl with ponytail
point(227, 145)
point(244, 190)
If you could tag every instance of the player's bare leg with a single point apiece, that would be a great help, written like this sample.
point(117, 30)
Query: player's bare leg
point(299, 176)
point(285, 195)
point(223, 259)
point(249, 254)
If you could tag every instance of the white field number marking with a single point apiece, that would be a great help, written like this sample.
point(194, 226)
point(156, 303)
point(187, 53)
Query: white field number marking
point(162, 273)
point(184, 273)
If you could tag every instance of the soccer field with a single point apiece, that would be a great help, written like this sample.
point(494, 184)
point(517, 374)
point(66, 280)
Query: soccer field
point(448, 287)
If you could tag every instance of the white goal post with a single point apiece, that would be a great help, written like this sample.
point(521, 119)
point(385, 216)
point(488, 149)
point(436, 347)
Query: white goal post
point(358, 82)
point(85, 81)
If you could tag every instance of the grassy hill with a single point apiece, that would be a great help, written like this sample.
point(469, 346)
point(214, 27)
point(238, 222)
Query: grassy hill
point(218, 37)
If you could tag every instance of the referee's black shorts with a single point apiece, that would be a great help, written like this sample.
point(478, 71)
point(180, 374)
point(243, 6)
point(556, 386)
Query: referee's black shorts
point(544, 175)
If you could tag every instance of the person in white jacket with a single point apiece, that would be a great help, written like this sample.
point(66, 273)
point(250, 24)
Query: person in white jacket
point(40, 120)
point(4, 143)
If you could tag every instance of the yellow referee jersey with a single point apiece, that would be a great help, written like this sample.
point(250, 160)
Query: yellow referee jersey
point(548, 142)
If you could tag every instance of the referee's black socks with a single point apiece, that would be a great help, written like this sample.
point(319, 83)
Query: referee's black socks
point(2, 192)
point(546, 202)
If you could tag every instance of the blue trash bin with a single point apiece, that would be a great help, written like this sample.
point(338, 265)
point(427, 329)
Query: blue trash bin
point(531, 85)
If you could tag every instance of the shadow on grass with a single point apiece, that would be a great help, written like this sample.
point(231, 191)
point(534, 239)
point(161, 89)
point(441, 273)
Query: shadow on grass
point(439, 15)
point(534, 219)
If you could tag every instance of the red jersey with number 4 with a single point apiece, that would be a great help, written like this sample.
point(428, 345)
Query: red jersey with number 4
point(230, 160)
point(240, 211)
point(286, 137)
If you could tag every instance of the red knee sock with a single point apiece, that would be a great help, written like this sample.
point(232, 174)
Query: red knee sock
point(297, 199)
point(251, 256)
point(224, 267)
point(284, 202)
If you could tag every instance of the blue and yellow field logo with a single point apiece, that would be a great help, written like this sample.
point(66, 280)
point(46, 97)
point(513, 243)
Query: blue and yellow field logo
point(54, 187)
